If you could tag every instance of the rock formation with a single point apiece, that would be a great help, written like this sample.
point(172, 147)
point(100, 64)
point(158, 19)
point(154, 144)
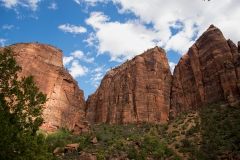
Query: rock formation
point(141, 89)
point(210, 71)
point(65, 105)
point(137, 91)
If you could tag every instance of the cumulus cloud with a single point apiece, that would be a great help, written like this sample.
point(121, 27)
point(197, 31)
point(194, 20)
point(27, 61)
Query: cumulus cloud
point(72, 28)
point(2, 42)
point(12, 4)
point(195, 17)
point(53, 6)
point(76, 70)
point(67, 60)
point(172, 25)
point(72, 63)
point(79, 55)
point(121, 40)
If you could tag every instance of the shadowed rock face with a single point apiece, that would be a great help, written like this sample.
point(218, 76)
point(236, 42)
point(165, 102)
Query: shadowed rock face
point(65, 105)
point(137, 91)
point(208, 72)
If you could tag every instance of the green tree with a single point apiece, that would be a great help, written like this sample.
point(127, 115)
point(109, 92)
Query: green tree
point(21, 106)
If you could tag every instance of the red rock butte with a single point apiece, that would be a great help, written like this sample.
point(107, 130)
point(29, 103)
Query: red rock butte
point(208, 72)
point(136, 91)
point(65, 105)
point(140, 90)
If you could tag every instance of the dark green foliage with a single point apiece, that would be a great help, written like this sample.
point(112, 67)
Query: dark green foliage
point(220, 130)
point(21, 107)
point(213, 134)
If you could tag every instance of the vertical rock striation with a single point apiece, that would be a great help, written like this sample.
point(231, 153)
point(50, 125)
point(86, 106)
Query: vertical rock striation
point(141, 89)
point(65, 105)
point(137, 91)
point(208, 72)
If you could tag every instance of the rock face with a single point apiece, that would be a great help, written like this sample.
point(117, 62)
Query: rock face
point(141, 89)
point(137, 91)
point(209, 71)
point(65, 105)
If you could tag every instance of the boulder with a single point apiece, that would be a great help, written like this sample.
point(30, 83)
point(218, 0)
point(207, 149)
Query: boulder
point(94, 140)
point(71, 148)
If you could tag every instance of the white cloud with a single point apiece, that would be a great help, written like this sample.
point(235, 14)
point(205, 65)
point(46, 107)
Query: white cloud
point(88, 60)
point(77, 54)
point(53, 6)
point(195, 17)
point(80, 55)
point(33, 4)
point(97, 75)
point(172, 66)
point(76, 70)
point(2, 42)
point(72, 28)
point(98, 69)
point(173, 25)
point(96, 78)
point(77, 1)
point(121, 40)
point(12, 4)
point(73, 66)
point(6, 26)
point(94, 2)
point(67, 60)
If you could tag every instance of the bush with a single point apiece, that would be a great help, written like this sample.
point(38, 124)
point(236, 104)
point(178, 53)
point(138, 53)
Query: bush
point(186, 143)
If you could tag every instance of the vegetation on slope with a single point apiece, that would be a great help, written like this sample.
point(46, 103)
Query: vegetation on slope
point(212, 132)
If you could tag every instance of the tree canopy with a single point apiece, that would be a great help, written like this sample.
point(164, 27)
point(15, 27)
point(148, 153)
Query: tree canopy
point(21, 106)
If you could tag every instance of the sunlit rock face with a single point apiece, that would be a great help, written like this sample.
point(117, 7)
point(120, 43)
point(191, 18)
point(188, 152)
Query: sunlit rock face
point(140, 90)
point(208, 72)
point(65, 105)
point(136, 91)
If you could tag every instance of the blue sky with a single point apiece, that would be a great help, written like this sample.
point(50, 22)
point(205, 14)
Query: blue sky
point(96, 35)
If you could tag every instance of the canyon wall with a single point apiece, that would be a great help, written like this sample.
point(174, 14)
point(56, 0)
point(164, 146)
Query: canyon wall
point(208, 72)
point(65, 105)
point(136, 91)
point(140, 90)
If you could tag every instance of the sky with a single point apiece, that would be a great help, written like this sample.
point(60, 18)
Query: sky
point(97, 35)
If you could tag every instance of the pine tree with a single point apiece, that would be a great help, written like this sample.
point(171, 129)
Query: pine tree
point(21, 106)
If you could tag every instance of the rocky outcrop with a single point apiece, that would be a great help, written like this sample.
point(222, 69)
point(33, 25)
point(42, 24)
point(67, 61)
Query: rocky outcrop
point(65, 105)
point(141, 89)
point(210, 71)
point(137, 91)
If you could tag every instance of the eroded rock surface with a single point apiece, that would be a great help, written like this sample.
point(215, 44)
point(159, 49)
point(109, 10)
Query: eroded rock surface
point(65, 107)
point(208, 72)
point(136, 91)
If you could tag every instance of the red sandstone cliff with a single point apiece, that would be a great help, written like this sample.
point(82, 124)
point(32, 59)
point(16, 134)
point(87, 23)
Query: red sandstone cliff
point(209, 71)
point(137, 91)
point(65, 107)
